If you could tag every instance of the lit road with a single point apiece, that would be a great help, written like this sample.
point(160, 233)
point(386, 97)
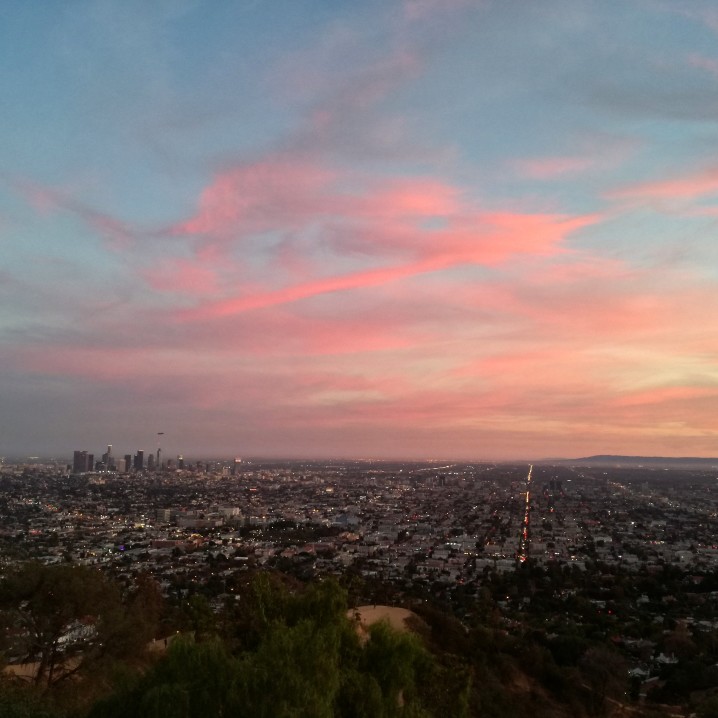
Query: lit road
point(523, 552)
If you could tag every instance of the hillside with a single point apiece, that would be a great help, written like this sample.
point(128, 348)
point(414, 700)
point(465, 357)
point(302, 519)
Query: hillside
point(284, 648)
point(684, 462)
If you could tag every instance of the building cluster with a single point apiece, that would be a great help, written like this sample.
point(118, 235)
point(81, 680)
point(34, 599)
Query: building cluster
point(83, 462)
point(452, 525)
point(598, 537)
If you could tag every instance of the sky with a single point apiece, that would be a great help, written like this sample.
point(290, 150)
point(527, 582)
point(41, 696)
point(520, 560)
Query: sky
point(421, 229)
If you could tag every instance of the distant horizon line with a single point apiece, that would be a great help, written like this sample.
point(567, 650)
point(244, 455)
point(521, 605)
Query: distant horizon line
point(259, 458)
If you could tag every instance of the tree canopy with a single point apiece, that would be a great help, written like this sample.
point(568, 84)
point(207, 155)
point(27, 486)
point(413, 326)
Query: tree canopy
point(305, 659)
point(65, 617)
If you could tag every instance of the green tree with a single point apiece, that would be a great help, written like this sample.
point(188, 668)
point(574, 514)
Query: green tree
point(295, 672)
point(708, 708)
point(62, 616)
point(605, 671)
point(305, 660)
point(23, 701)
point(198, 617)
point(395, 660)
point(359, 696)
point(146, 601)
point(193, 680)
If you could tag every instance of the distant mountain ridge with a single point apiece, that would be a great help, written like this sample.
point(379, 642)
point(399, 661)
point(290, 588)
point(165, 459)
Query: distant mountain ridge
point(667, 461)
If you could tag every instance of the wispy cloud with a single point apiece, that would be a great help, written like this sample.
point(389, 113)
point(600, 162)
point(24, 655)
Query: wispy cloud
point(684, 187)
point(426, 227)
point(425, 224)
point(50, 199)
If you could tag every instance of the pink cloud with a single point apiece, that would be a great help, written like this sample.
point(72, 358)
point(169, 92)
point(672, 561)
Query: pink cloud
point(511, 364)
point(257, 197)
point(420, 225)
point(288, 194)
point(262, 300)
point(689, 186)
point(409, 198)
point(571, 347)
point(532, 368)
point(43, 199)
point(346, 94)
point(48, 199)
point(182, 276)
point(628, 305)
point(324, 302)
point(485, 239)
point(494, 237)
point(342, 117)
point(667, 394)
point(710, 64)
point(589, 152)
point(284, 333)
point(586, 268)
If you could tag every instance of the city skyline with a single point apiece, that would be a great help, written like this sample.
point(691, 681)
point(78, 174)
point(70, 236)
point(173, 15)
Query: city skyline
point(429, 229)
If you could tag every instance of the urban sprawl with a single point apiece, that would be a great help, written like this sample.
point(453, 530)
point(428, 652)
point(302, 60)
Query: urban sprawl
point(593, 537)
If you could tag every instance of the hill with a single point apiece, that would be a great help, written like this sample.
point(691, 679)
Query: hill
point(683, 462)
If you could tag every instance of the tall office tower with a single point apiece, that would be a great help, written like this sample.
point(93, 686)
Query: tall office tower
point(79, 462)
point(90, 462)
point(120, 466)
point(180, 462)
point(108, 459)
point(235, 466)
point(128, 462)
point(139, 462)
point(159, 450)
point(150, 462)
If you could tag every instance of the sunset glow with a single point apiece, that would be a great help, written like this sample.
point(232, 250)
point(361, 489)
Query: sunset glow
point(377, 230)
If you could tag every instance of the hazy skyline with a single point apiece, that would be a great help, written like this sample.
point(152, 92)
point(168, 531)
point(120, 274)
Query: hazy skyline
point(420, 229)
